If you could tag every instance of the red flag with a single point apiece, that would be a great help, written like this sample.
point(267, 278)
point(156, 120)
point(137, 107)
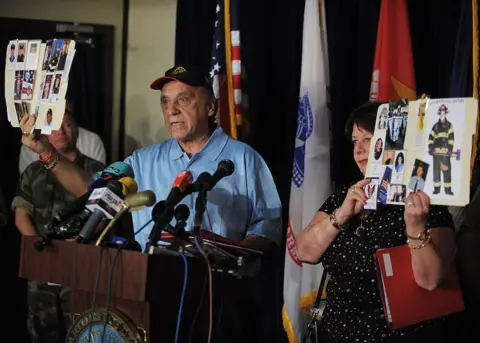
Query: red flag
point(393, 75)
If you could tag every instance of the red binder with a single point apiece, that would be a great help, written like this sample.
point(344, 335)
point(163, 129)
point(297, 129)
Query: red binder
point(404, 302)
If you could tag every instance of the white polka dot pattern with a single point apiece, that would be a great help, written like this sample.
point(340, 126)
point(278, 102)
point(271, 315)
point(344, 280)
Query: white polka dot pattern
point(354, 311)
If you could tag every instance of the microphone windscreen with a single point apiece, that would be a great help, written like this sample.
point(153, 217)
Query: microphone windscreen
point(130, 184)
point(145, 198)
point(120, 169)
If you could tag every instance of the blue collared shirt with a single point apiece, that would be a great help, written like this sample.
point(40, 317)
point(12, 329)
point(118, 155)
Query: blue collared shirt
point(241, 204)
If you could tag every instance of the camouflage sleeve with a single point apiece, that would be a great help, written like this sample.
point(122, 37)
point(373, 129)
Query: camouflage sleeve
point(94, 166)
point(24, 195)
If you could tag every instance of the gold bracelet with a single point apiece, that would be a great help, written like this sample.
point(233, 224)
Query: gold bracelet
point(419, 237)
point(426, 241)
point(334, 220)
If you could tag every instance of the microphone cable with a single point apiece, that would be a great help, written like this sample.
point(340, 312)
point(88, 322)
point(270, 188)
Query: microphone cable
point(97, 281)
point(109, 289)
point(182, 298)
point(197, 312)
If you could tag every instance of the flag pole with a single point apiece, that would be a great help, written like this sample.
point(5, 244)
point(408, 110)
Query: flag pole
point(228, 61)
point(475, 79)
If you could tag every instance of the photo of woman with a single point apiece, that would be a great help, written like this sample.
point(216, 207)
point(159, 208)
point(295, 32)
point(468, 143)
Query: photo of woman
point(399, 162)
point(378, 149)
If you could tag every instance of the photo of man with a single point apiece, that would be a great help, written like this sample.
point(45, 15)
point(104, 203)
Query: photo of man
point(441, 142)
point(21, 53)
point(418, 176)
point(46, 57)
point(12, 53)
point(382, 119)
point(49, 118)
point(397, 193)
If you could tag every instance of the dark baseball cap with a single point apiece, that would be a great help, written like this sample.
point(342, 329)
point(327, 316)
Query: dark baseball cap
point(188, 75)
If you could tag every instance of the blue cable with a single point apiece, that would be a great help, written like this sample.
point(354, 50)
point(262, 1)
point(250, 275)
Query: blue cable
point(185, 278)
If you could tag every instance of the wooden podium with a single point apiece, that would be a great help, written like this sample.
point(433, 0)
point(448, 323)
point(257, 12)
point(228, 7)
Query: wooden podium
point(145, 289)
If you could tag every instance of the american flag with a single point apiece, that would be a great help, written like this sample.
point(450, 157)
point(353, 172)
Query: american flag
point(225, 67)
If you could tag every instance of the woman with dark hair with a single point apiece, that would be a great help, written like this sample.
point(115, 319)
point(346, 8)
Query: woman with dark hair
point(378, 149)
point(399, 163)
point(344, 238)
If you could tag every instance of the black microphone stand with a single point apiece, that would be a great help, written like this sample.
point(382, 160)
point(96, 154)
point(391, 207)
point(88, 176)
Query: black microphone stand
point(200, 207)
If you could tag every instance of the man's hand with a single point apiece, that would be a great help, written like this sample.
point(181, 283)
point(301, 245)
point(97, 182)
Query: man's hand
point(256, 242)
point(35, 142)
point(443, 167)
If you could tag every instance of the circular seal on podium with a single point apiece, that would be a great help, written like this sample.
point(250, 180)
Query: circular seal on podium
point(89, 327)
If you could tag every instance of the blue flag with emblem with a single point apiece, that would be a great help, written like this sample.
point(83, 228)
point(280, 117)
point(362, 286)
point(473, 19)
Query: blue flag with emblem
point(311, 184)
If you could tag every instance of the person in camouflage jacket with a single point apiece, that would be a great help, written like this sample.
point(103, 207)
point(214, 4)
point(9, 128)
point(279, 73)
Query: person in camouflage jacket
point(40, 195)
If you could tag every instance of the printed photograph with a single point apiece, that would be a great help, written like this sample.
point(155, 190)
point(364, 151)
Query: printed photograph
point(388, 157)
point(21, 52)
point(382, 119)
point(19, 110)
point(371, 191)
point(55, 55)
point(445, 128)
point(17, 90)
point(46, 86)
point(396, 125)
point(418, 176)
point(12, 53)
point(399, 161)
point(397, 193)
point(48, 52)
point(384, 185)
point(377, 153)
point(56, 83)
point(49, 118)
point(63, 55)
point(25, 108)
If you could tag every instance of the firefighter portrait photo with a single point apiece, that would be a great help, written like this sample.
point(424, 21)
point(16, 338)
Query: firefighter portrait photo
point(441, 146)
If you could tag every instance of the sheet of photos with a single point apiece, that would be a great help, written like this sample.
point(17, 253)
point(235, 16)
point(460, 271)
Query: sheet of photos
point(36, 81)
point(387, 153)
point(423, 145)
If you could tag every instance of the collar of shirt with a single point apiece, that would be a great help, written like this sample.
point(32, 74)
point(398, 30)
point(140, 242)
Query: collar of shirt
point(211, 150)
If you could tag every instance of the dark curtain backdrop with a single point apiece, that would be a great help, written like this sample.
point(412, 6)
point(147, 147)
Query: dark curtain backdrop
point(271, 38)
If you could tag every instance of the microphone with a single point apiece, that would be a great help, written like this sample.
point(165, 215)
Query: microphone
point(114, 171)
point(181, 213)
point(179, 187)
point(103, 203)
point(141, 199)
point(224, 168)
point(123, 187)
point(137, 200)
point(165, 210)
point(130, 184)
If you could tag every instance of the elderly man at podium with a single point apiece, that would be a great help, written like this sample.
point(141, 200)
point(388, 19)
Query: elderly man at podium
point(244, 207)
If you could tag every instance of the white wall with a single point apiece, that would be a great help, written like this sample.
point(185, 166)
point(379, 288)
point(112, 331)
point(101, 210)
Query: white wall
point(151, 51)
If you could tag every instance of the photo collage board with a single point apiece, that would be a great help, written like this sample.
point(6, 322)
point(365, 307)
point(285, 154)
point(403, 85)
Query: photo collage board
point(422, 145)
point(36, 81)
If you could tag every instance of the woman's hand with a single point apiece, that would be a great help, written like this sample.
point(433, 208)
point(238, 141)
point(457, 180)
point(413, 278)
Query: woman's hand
point(36, 143)
point(417, 206)
point(353, 203)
